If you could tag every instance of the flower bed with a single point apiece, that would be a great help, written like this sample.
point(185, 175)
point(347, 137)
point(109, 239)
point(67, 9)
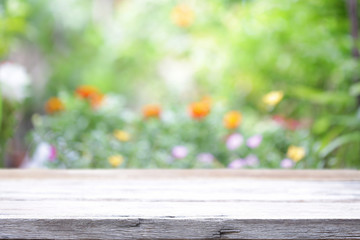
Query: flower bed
point(87, 129)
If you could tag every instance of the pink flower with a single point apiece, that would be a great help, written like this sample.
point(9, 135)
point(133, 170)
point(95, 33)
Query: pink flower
point(254, 141)
point(279, 119)
point(287, 163)
point(206, 158)
point(288, 123)
point(179, 152)
point(252, 160)
point(52, 153)
point(234, 141)
point(237, 163)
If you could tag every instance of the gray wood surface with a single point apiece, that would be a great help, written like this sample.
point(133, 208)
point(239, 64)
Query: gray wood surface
point(179, 204)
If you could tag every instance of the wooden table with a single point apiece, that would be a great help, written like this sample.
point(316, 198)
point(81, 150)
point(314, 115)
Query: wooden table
point(179, 204)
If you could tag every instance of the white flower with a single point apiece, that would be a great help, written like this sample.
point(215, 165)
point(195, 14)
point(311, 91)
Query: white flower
point(13, 81)
point(40, 157)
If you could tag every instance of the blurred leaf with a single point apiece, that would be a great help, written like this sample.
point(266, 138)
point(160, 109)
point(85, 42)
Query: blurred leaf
point(321, 125)
point(319, 96)
point(338, 142)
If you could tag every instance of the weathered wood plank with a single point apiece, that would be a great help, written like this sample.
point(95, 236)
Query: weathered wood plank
point(324, 175)
point(179, 204)
point(167, 228)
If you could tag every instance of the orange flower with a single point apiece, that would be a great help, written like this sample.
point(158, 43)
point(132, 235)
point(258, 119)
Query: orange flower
point(54, 105)
point(232, 119)
point(91, 94)
point(151, 110)
point(182, 15)
point(200, 109)
point(86, 91)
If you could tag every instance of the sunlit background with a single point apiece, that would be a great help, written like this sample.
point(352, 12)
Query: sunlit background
point(179, 84)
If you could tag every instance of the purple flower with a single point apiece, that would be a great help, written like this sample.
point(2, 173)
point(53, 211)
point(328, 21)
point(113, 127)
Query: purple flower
point(287, 163)
point(234, 141)
point(52, 153)
point(254, 141)
point(179, 152)
point(237, 163)
point(206, 158)
point(252, 160)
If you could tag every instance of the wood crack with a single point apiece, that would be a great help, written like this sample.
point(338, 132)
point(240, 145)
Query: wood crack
point(225, 232)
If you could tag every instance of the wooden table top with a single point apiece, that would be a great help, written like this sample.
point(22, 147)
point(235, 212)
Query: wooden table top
point(179, 204)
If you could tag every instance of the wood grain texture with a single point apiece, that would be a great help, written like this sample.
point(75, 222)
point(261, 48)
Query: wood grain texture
point(179, 204)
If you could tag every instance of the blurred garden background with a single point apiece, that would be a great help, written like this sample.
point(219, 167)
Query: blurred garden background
point(179, 84)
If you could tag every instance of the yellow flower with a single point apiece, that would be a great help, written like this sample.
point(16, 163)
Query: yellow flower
point(122, 136)
point(182, 15)
point(296, 153)
point(273, 98)
point(116, 160)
